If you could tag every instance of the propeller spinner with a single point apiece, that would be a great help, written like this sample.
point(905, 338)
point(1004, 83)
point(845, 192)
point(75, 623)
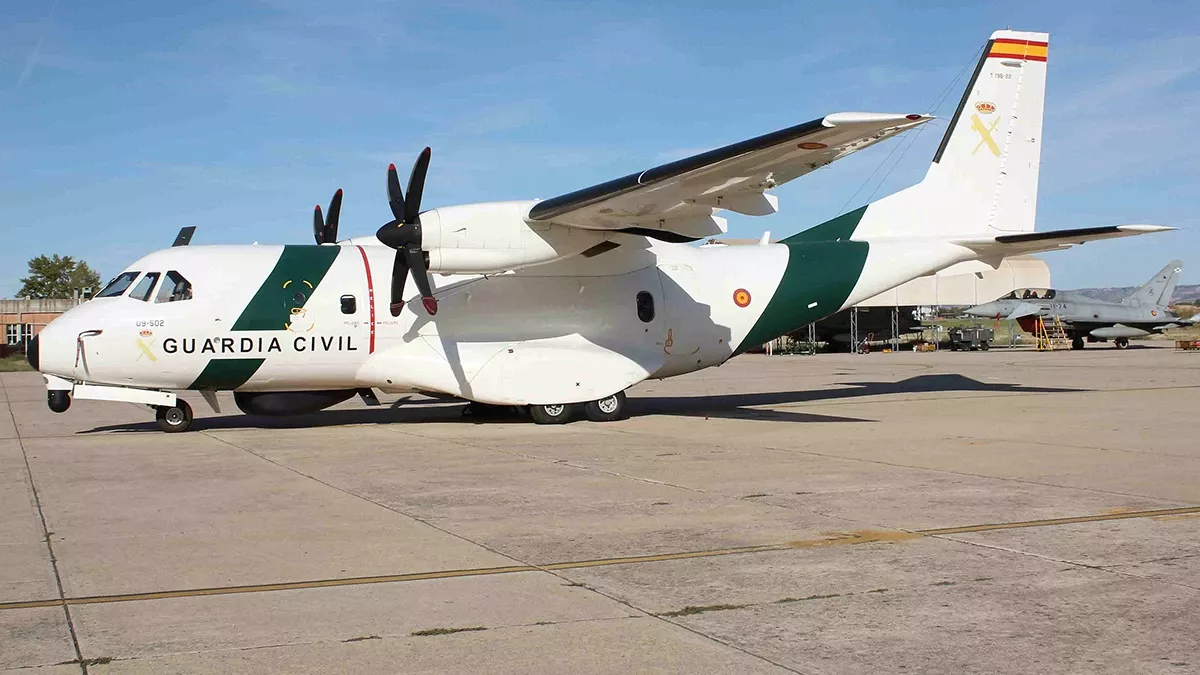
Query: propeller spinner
point(325, 230)
point(404, 234)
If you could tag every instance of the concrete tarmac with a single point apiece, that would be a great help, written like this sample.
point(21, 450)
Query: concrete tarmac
point(1001, 512)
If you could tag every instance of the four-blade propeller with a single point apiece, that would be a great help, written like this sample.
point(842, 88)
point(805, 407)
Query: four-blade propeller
point(325, 231)
point(404, 234)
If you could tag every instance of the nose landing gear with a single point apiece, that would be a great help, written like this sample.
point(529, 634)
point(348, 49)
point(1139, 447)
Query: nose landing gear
point(173, 419)
point(58, 400)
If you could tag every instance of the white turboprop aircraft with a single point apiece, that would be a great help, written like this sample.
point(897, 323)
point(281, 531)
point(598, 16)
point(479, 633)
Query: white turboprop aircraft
point(565, 302)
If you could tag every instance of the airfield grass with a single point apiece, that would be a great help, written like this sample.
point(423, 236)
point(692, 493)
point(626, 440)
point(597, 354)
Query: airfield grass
point(14, 363)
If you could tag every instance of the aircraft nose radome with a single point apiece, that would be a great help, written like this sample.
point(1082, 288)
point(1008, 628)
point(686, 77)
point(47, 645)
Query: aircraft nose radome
point(31, 352)
point(52, 351)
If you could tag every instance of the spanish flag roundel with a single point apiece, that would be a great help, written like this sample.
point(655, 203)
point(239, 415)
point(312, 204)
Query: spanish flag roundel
point(741, 297)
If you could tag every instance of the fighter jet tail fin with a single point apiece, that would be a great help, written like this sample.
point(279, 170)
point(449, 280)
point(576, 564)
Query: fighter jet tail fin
point(983, 180)
point(1157, 292)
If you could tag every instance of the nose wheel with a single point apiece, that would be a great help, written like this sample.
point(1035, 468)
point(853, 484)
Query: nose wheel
point(173, 419)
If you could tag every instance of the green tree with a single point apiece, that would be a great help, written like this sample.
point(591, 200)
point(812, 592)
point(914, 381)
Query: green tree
point(57, 277)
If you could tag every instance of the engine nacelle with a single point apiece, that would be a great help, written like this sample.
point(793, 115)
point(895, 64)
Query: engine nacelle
point(494, 237)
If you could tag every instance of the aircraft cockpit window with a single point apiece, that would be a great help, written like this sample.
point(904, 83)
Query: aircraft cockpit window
point(1049, 295)
point(118, 286)
point(174, 288)
point(1010, 296)
point(645, 307)
point(144, 287)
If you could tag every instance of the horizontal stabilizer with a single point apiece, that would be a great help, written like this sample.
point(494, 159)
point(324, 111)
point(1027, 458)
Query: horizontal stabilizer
point(1037, 242)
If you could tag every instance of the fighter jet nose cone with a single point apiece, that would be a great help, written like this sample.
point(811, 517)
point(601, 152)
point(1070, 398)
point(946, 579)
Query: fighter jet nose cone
point(31, 352)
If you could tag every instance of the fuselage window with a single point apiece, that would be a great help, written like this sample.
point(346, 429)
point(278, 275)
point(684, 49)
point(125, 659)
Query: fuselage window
point(174, 288)
point(144, 287)
point(645, 307)
point(118, 286)
point(349, 304)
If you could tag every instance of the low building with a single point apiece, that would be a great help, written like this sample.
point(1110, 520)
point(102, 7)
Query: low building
point(22, 318)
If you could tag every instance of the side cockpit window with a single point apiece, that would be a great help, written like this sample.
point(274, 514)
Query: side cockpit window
point(145, 287)
point(118, 286)
point(174, 288)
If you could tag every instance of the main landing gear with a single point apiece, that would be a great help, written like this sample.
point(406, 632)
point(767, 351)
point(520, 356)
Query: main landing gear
point(1077, 342)
point(1121, 343)
point(607, 409)
point(175, 418)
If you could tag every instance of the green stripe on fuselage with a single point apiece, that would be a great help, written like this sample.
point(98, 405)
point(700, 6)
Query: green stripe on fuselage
point(823, 267)
point(838, 229)
point(296, 276)
point(226, 373)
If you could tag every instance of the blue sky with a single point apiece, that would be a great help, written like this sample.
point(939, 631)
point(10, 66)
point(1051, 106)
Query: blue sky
point(122, 121)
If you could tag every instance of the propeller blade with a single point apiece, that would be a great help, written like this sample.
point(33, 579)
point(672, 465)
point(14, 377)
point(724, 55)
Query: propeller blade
point(331, 223)
point(416, 263)
point(394, 194)
point(399, 274)
point(318, 225)
point(416, 187)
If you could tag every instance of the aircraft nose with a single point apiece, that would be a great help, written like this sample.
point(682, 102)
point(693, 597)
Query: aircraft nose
point(31, 352)
point(986, 309)
point(52, 351)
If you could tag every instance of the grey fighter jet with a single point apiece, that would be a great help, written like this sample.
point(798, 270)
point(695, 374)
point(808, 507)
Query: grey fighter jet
point(1087, 319)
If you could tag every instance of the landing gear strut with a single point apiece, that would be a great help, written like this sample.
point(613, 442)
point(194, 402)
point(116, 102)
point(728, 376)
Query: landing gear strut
point(173, 419)
point(1076, 343)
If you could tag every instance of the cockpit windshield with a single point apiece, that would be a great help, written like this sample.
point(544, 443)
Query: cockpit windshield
point(118, 286)
point(174, 289)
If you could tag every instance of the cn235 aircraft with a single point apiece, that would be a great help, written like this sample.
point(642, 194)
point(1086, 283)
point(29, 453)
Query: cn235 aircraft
point(564, 303)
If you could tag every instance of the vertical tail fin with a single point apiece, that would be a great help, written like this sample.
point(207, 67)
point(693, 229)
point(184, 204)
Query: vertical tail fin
point(1158, 291)
point(984, 176)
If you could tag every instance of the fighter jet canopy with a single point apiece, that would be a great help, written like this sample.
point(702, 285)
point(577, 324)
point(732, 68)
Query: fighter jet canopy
point(1030, 294)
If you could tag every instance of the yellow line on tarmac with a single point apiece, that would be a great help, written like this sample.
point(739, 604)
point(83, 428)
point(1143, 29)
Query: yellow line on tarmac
point(1121, 515)
point(838, 539)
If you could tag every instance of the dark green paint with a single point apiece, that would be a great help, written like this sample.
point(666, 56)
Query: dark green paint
point(824, 272)
point(838, 229)
point(226, 373)
point(271, 307)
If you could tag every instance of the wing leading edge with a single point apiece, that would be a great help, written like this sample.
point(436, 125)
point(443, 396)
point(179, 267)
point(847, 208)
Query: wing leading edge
point(676, 201)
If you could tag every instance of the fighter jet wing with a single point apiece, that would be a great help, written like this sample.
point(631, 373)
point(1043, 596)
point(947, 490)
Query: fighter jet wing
point(1024, 309)
point(676, 201)
point(1037, 242)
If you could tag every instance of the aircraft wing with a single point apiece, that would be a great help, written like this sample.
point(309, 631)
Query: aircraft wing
point(1038, 242)
point(1024, 309)
point(676, 201)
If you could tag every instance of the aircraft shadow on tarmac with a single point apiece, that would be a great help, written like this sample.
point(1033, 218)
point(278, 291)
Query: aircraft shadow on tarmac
point(725, 406)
